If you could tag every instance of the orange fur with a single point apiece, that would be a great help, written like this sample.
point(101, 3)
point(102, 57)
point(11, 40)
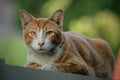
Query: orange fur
point(79, 54)
point(33, 65)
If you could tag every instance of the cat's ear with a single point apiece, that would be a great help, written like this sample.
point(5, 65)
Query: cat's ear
point(57, 17)
point(26, 17)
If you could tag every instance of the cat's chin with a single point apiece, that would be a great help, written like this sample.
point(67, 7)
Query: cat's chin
point(41, 51)
point(45, 52)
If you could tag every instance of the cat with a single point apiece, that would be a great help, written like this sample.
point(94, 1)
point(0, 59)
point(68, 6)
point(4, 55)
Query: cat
point(49, 48)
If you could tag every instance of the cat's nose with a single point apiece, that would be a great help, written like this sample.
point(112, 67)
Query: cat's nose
point(41, 44)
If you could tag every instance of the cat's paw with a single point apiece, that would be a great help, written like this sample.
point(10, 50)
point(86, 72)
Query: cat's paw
point(48, 67)
point(33, 65)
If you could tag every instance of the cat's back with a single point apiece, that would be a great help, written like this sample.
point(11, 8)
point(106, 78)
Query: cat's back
point(94, 45)
point(90, 48)
point(76, 38)
point(78, 42)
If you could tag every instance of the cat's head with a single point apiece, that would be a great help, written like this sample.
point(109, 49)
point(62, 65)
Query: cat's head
point(42, 34)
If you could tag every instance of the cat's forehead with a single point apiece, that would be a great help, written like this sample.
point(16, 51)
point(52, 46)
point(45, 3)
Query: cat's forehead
point(45, 23)
point(41, 22)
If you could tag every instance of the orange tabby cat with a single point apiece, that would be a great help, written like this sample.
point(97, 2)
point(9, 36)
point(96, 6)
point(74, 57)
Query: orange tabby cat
point(49, 48)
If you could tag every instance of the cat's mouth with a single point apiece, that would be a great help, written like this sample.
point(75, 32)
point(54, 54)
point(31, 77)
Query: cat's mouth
point(41, 49)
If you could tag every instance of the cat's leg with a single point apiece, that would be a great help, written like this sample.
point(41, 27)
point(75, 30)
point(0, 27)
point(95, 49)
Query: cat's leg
point(33, 65)
point(49, 67)
point(70, 68)
point(75, 68)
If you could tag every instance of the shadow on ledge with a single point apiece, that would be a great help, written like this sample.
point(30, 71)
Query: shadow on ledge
point(8, 72)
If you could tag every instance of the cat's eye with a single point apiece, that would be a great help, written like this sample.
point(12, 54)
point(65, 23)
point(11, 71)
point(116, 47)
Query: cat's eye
point(33, 33)
point(48, 33)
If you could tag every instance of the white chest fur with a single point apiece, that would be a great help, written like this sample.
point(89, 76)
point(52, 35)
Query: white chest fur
point(40, 59)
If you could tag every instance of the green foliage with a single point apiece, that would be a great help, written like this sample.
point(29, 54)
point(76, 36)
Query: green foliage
point(13, 51)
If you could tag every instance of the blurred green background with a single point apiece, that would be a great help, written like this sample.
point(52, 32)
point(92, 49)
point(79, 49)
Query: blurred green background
point(93, 18)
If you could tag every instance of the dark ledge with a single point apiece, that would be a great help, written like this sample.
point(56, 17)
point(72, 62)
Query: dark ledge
point(8, 72)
